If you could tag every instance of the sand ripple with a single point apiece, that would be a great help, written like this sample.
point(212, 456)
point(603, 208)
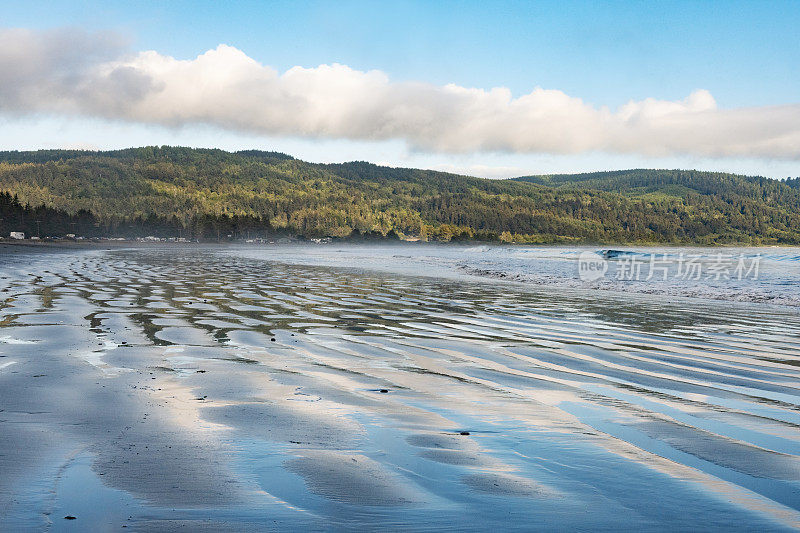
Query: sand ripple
point(194, 381)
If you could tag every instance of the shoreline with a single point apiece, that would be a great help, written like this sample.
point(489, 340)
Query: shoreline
point(378, 242)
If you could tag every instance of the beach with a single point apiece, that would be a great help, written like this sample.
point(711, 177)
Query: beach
point(234, 388)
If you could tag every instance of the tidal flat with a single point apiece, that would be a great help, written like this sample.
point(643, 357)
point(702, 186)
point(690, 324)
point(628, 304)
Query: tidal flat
point(214, 388)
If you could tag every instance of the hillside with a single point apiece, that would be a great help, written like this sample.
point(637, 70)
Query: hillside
point(641, 182)
point(204, 194)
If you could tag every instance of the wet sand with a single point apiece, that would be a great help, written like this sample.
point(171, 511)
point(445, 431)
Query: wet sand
point(194, 389)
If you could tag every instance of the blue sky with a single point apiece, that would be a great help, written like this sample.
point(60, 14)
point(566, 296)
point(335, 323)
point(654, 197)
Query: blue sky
point(745, 54)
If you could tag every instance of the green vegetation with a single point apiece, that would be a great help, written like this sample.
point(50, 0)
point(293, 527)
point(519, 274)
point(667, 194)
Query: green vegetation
point(210, 194)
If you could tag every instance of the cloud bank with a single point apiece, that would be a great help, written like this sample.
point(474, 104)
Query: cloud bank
point(70, 72)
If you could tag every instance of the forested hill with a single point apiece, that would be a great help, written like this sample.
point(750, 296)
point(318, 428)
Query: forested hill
point(203, 193)
point(639, 182)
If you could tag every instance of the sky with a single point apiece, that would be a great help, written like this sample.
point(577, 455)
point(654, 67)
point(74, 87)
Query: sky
point(493, 89)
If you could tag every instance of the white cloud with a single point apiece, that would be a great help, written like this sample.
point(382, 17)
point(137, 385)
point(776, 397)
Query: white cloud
point(68, 72)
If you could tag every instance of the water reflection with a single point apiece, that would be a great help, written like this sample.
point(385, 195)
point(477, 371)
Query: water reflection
point(344, 396)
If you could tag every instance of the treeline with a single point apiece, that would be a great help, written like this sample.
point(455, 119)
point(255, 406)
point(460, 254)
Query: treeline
point(692, 206)
point(203, 194)
point(46, 222)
